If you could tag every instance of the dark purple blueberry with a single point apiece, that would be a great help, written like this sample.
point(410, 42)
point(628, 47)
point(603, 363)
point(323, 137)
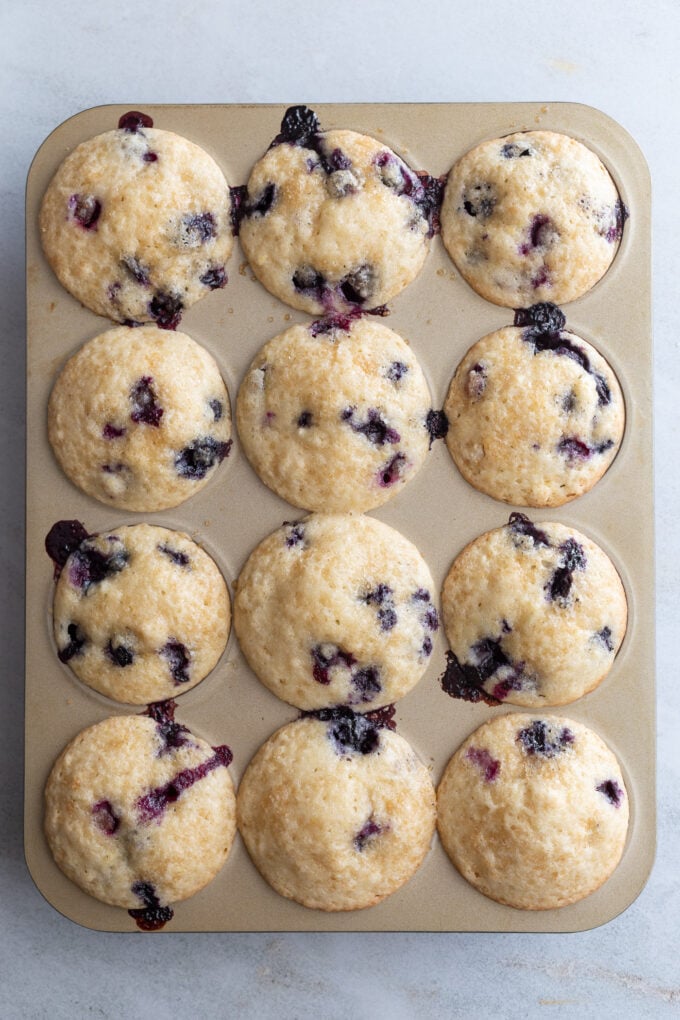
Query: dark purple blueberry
point(374, 429)
point(382, 717)
point(349, 731)
point(426, 647)
point(569, 402)
point(305, 420)
point(368, 832)
point(573, 558)
point(541, 279)
point(476, 382)
point(605, 636)
point(479, 200)
point(543, 739)
point(105, 818)
point(544, 317)
point(466, 680)
point(387, 617)
point(299, 126)
point(181, 559)
point(541, 234)
point(380, 596)
point(120, 655)
point(178, 659)
point(604, 394)
point(85, 210)
point(429, 200)
point(161, 711)
point(308, 281)
point(331, 323)
point(460, 680)
point(426, 192)
point(612, 791)
point(614, 232)
point(166, 310)
point(151, 805)
point(261, 205)
point(357, 286)
point(489, 766)
point(197, 228)
point(149, 156)
point(195, 460)
point(133, 121)
point(366, 682)
point(511, 150)
point(437, 424)
point(392, 471)
point(519, 524)
point(217, 408)
point(396, 371)
point(430, 619)
point(325, 657)
point(339, 161)
point(145, 410)
point(75, 645)
point(152, 916)
point(395, 175)
point(172, 734)
point(239, 199)
point(574, 448)
point(61, 540)
point(421, 595)
point(214, 277)
point(296, 535)
point(88, 565)
point(112, 431)
point(137, 270)
point(543, 339)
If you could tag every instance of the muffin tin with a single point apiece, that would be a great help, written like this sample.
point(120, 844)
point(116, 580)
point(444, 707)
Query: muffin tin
point(441, 317)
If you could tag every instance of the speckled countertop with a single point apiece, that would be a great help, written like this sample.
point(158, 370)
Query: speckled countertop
point(59, 59)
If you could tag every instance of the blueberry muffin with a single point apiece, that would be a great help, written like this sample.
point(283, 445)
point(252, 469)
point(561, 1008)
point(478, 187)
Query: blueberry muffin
point(137, 224)
point(141, 613)
point(334, 220)
point(533, 216)
point(336, 610)
point(336, 415)
point(534, 615)
point(140, 418)
point(336, 812)
point(535, 414)
point(140, 813)
point(533, 811)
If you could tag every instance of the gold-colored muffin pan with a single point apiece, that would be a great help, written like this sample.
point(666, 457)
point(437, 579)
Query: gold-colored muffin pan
point(441, 317)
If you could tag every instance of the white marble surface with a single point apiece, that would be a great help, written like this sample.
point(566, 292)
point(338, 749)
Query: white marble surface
point(57, 59)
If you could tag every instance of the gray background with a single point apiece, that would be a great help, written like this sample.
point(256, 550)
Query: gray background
point(57, 59)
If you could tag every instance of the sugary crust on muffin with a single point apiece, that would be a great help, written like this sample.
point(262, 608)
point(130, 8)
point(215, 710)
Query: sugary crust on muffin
point(141, 613)
point(334, 610)
point(137, 225)
point(533, 811)
point(114, 818)
point(335, 418)
point(534, 615)
point(533, 216)
point(140, 418)
point(531, 425)
point(332, 828)
point(334, 236)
